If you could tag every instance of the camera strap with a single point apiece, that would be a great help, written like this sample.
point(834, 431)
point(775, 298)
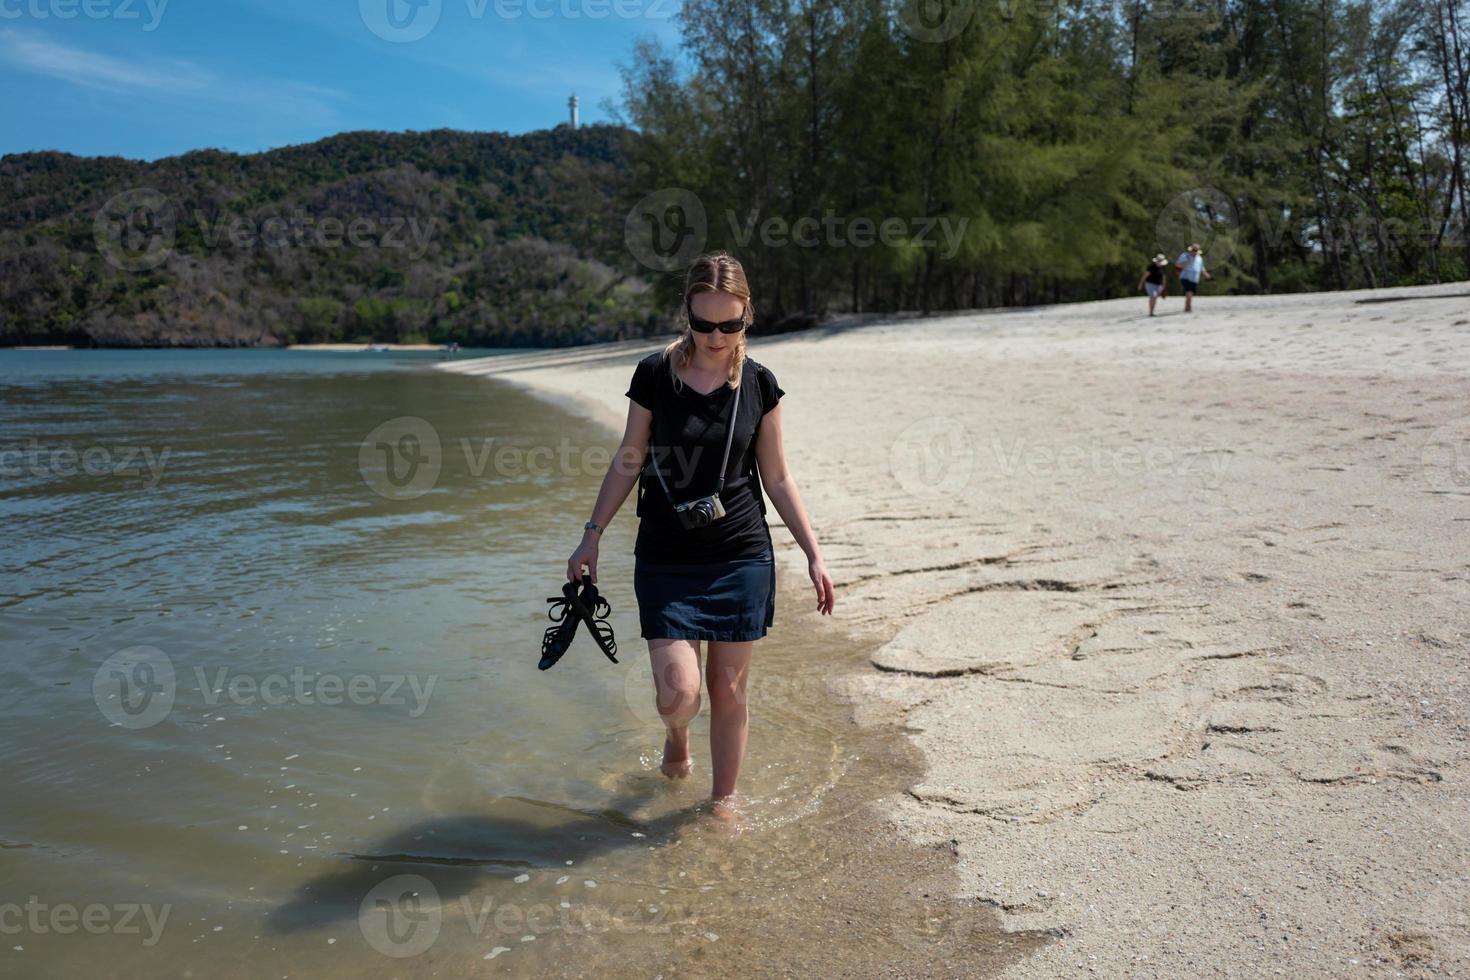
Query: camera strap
point(725, 461)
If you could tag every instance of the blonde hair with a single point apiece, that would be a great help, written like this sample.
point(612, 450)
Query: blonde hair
point(717, 272)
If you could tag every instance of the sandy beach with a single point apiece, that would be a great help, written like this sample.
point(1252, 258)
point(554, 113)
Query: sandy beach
point(1177, 611)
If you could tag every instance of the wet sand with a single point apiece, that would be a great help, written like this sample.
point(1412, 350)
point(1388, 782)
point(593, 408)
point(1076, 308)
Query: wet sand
point(1175, 611)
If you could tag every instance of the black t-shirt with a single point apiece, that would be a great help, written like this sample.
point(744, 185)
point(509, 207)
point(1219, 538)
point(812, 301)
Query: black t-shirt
point(1155, 274)
point(687, 441)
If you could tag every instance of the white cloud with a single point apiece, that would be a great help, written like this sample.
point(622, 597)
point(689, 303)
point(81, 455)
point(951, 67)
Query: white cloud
point(90, 69)
point(163, 78)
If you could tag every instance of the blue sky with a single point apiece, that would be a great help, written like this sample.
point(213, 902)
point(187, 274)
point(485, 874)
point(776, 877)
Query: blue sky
point(152, 78)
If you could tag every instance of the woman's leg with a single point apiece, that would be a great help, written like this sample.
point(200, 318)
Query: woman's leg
point(726, 671)
point(676, 693)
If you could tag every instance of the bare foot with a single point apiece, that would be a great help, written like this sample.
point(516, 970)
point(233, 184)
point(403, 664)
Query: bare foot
point(726, 816)
point(677, 764)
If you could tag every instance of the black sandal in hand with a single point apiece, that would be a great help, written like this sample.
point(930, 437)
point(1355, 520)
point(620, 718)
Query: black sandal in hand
point(595, 610)
point(569, 609)
point(558, 639)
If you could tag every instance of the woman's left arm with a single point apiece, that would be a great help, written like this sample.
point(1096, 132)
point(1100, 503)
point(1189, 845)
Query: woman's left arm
point(780, 486)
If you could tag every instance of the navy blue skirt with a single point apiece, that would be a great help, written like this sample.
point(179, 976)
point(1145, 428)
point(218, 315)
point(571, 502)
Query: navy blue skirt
point(722, 600)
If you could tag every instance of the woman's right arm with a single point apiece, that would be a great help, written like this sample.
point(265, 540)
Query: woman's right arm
point(621, 476)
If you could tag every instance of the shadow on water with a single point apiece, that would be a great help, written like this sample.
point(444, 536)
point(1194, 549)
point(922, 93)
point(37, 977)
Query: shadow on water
point(455, 854)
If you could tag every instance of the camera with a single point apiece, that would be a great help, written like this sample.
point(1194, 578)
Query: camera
point(701, 512)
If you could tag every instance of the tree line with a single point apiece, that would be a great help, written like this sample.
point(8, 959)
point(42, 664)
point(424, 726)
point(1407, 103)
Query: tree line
point(857, 155)
point(1057, 144)
point(484, 239)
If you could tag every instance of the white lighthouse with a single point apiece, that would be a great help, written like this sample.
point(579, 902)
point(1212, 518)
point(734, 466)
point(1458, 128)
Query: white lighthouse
point(572, 104)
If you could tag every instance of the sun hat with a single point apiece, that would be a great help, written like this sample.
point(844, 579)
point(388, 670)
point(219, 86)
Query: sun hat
point(1159, 259)
point(1194, 247)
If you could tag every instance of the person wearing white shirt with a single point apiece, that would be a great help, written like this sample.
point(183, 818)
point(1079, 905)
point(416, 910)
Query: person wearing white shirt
point(1191, 266)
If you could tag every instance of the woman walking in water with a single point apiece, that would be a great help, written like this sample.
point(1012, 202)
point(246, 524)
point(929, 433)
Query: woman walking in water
point(704, 568)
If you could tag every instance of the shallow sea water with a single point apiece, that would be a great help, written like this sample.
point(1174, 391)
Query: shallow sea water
point(271, 707)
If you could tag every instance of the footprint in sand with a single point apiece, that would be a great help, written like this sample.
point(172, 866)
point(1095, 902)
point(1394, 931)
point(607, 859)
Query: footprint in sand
point(1303, 610)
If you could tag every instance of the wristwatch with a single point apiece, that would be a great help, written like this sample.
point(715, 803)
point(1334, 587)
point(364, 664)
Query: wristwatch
point(592, 526)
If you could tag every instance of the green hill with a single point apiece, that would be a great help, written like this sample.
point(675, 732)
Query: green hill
point(482, 238)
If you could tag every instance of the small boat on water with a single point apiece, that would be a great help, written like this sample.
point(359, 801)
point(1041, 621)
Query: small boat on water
point(378, 348)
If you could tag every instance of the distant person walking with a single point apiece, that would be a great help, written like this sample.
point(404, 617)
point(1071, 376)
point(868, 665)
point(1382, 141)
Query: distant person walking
point(1191, 265)
point(1153, 280)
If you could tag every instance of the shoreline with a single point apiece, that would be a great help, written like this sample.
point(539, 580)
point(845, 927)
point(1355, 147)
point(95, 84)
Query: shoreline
point(1172, 608)
point(368, 347)
point(317, 347)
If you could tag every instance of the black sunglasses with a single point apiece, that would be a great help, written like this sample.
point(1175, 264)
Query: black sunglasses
point(708, 326)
